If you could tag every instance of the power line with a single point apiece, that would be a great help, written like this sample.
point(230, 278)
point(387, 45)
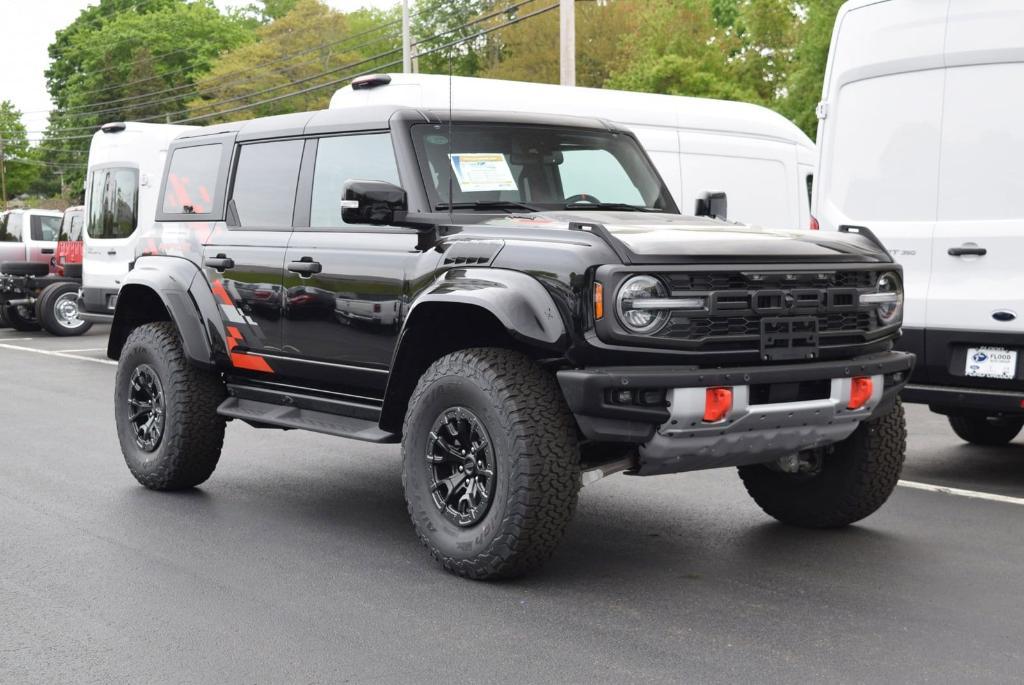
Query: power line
point(348, 77)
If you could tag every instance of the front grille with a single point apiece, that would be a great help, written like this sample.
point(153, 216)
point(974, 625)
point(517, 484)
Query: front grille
point(739, 301)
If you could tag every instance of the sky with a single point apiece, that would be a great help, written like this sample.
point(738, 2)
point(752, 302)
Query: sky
point(28, 27)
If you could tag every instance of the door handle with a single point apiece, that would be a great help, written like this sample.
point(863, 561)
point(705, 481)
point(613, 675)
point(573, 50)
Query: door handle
point(220, 262)
point(305, 267)
point(961, 251)
point(112, 253)
point(47, 250)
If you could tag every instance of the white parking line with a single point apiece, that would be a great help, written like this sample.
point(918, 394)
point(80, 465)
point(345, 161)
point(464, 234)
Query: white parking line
point(57, 354)
point(914, 485)
point(973, 494)
point(87, 349)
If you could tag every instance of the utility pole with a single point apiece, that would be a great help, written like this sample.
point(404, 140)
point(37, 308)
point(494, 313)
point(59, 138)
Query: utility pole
point(3, 176)
point(406, 39)
point(567, 42)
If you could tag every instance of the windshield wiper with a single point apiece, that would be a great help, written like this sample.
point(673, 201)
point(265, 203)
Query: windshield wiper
point(489, 204)
point(613, 206)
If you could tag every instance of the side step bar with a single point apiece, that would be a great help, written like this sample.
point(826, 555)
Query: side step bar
point(260, 414)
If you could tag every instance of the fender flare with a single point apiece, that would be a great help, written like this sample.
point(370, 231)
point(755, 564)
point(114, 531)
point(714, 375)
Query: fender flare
point(520, 303)
point(185, 294)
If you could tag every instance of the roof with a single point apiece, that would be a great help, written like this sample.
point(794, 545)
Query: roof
point(628, 108)
point(361, 118)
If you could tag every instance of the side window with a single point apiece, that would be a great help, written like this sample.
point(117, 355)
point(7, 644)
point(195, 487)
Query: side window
point(113, 203)
point(71, 226)
point(192, 179)
point(44, 227)
point(10, 232)
point(265, 179)
point(366, 157)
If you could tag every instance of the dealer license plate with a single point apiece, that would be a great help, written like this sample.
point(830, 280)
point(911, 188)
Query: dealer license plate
point(991, 362)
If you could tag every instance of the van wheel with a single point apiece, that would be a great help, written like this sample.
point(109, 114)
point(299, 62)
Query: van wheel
point(490, 463)
point(838, 486)
point(21, 318)
point(57, 310)
point(166, 411)
point(986, 430)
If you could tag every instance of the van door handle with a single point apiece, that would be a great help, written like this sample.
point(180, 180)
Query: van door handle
point(961, 251)
point(305, 267)
point(220, 262)
point(112, 253)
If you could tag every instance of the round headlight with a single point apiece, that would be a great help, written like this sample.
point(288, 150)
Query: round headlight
point(890, 312)
point(629, 304)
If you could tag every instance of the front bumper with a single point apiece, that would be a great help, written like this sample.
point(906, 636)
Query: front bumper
point(675, 438)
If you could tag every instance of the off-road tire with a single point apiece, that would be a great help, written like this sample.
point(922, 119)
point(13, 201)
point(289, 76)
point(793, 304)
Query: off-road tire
point(193, 432)
point(19, 322)
point(47, 315)
point(986, 430)
point(25, 268)
point(536, 456)
point(854, 480)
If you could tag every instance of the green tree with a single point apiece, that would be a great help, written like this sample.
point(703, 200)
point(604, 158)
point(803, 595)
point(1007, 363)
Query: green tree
point(529, 49)
point(805, 82)
point(131, 59)
point(439, 23)
point(310, 45)
point(19, 170)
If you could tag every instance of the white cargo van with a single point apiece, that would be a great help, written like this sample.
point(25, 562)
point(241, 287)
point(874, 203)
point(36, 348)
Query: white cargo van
point(920, 140)
point(126, 160)
point(760, 159)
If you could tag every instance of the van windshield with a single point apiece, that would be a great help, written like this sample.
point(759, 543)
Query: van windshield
point(518, 168)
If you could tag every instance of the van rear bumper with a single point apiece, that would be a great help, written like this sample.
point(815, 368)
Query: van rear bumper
point(946, 399)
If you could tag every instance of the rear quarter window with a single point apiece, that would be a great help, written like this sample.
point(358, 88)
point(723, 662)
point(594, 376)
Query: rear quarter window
point(192, 179)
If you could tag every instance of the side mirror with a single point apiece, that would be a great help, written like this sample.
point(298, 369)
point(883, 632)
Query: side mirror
point(372, 202)
point(713, 203)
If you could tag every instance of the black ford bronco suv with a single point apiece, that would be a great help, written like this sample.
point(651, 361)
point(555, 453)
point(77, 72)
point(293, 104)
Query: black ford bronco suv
point(519, 302)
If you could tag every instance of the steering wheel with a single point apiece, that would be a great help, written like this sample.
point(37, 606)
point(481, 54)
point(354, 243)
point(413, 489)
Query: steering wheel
point(582, 197)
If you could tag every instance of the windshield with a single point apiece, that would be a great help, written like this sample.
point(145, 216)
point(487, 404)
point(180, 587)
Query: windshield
point(533, 168)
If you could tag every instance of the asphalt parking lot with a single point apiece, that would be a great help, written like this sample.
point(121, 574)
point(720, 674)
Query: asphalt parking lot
point(296, 563)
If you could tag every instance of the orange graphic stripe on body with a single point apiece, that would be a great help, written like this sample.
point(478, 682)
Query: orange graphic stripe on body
point(221, 294)
point(244, 361)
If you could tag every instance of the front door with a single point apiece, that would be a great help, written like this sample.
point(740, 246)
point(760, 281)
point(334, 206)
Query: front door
point(342, 317)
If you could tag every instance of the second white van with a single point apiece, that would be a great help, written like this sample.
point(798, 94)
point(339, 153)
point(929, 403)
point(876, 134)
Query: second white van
point(920, 140)
point(762, 161)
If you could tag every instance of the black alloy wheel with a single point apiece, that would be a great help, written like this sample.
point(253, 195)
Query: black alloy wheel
point(146, 407)
point(461, 467)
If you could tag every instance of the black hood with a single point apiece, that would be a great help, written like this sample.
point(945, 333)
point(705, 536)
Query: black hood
point(648, 237)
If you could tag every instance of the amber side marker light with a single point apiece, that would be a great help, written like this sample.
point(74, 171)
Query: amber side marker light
point(717, 403)
point(598, 301)
point(861, 388)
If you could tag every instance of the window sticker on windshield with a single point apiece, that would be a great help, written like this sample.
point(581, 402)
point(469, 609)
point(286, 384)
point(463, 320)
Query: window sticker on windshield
point(480, 171)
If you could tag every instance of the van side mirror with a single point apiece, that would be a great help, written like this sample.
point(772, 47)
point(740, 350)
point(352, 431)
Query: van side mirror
point(371, 202)
point(713, 203)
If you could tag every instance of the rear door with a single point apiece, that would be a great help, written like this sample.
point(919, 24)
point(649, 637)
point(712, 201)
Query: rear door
point(976, 293)
point(12, 249)
point(112, 211)
point(879, 136)
point(244, 263)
